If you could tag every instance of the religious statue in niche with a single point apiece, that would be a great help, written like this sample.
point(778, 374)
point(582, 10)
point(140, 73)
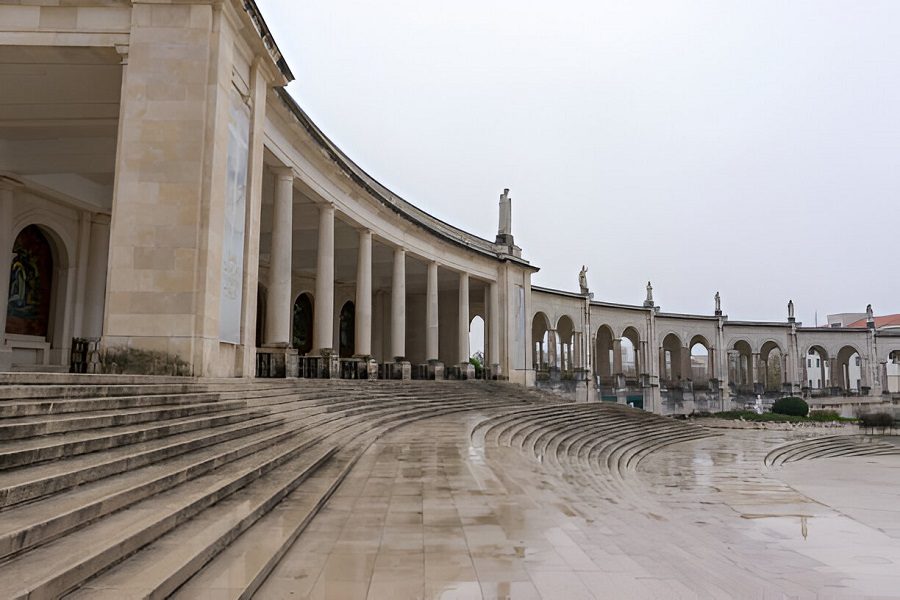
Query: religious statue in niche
point(30, 279)
point(582, 280)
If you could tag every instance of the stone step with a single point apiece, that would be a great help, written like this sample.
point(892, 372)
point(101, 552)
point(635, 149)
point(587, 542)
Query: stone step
point(64, 563)
point(28, 483)
point(26, 427)
point(20, 452)
point(240, 570)
point(46, 407)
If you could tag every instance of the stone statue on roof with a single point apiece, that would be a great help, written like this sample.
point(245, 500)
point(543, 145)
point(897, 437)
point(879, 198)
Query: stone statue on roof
point(790, 310)
point(582, 280)
point(649, 301)
point(718, 300)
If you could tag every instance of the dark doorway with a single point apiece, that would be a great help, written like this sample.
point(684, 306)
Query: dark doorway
point(303, 324)
point(30, 284)
point(347, 335)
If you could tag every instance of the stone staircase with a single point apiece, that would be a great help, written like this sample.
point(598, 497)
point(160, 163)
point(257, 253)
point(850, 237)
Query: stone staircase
point(829, 447)
point(131, 487)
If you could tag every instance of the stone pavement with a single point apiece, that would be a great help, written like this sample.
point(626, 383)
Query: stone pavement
point(432, 512)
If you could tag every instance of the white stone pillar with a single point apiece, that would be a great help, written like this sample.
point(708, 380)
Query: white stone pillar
point(463, 318)
point(95, 286)
point(494, 312)
point(364, 295)
point(431, 313)
point(6, 246)
point(324, 309)
point(398, 306)
point(278, 308)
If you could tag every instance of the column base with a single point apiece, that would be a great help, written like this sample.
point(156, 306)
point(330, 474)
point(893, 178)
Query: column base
point(467, 370)
point(496, 372)
point(401, 370)
point(435, 370)
point(277, 361)
point(5, 358)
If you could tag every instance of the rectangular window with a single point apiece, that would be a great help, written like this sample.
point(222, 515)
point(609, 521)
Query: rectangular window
point(808, 362)
point(818, 364)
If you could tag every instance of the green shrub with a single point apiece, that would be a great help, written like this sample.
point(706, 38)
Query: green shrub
point(876, 420)
point(791, 406)
point(824, 416)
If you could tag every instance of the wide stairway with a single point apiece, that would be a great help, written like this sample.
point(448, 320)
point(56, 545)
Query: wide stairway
point(137, 487)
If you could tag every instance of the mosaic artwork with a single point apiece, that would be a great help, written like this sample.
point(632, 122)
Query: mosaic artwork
point(30, 280)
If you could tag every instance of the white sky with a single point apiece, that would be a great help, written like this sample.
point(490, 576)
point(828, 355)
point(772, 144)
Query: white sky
point(747, 147)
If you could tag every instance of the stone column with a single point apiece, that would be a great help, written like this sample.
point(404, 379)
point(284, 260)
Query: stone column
point(95, 286)
point(617, 356)
point(663, 374)
point(278, 308)
point(364, 295)
point(463, 329)
point(6, 244)
point(398, 306)
point(823, 383)
point(755, 366)
point(324, 309)
point(431, 313)
point(711, 366)
point(551, 349)
point(493, 312)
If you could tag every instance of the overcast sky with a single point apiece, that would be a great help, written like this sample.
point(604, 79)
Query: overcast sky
point(747, 147)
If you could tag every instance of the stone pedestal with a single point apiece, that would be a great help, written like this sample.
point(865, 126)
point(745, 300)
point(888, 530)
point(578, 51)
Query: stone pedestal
point(496, 372)
point(372, 369)
point(5, 359)
point(435, 370)
point(282, 362)
point(399, 370)
point(467, 371)
point(333, 361)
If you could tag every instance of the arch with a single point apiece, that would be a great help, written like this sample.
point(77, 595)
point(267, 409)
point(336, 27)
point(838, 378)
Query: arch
point(848, 367)
point(302, 323)
point(540, 326)
point(347, 330)
point(670, 367)
point(603, 354)
point(476, 336)
point(631, 350)
point(32, 282)
point(700, 362)
point(741, 363)
point(772, 366)
point(815, 365)
point(565, 334)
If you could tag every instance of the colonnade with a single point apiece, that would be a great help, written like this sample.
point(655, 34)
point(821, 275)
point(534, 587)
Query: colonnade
point(278, 308)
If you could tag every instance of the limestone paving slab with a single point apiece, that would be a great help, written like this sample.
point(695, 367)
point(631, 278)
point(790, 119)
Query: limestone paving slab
point(431, 511)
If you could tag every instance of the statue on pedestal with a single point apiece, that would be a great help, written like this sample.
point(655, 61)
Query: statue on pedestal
point(718, 300)
point(582, 280)
point(649, 301)
point(790, 310)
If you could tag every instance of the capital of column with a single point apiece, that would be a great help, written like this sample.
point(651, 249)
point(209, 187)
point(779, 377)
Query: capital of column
point(283, 173)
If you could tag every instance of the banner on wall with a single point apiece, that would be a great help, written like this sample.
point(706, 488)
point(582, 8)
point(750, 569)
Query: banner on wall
point(230, 297)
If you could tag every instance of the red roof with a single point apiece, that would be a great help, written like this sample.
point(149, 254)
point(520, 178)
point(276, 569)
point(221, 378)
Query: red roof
point(885, 321)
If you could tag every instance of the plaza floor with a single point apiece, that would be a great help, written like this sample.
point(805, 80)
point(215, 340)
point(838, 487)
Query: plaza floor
point(435, 511)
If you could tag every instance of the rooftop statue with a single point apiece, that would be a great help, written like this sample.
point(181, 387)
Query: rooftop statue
point(582, 280)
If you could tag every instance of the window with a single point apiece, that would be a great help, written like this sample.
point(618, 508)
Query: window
point(810, 383)
point(857, 361)
point(818, 364)
point(808, 362)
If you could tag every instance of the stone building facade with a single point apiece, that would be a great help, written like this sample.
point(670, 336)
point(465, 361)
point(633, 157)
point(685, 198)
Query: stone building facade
point(166, 206)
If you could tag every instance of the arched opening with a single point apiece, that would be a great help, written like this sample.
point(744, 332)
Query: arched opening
point(540, 326)
point(848, 375)
point(816, 368)
point(347, 330)
point(30, 284)
point(260, 315)
point(670, 362)
point(740, 366)
point(771, 360)
point(892, 373)
point(700, 372)
point(476, 343)
point(631, 343)
point(565, 330)
point(302, 329)
point(603, 355)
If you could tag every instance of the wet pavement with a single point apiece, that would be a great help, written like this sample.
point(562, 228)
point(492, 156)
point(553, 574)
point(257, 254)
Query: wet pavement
point(432, 512)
